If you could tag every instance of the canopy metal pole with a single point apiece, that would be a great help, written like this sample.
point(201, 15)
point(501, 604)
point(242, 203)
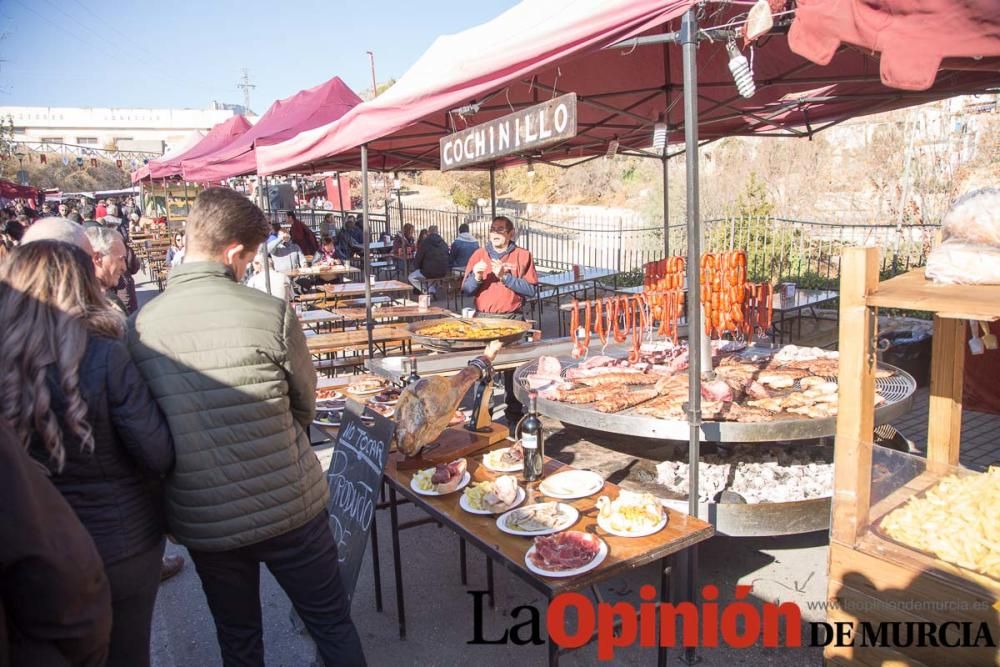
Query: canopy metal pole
point(689, 50)
point(493, 192)
point(366, 260)
point(666, 206)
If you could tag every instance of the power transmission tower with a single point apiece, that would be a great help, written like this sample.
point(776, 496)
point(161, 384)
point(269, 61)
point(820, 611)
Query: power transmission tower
point(247, 87)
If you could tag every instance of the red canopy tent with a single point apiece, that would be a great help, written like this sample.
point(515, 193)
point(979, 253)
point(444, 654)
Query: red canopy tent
point(285, 119)
point(11, 190)
point(218, 136)
point(189, 142)
point(539, 49)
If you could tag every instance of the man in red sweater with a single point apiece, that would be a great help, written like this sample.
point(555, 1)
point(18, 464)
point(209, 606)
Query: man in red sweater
point(500, 275)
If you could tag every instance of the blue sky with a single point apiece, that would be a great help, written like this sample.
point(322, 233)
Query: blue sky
point(185, 53)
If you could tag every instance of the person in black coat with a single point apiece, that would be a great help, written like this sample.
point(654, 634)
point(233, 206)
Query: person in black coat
point(432, 260)
point(95, 427)
point(55, 603)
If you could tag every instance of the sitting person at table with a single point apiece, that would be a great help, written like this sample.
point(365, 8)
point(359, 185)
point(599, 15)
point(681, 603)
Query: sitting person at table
point(462, 248)
point(349, 239)
point(500, 275)
point(431, 260)
point(404, 248)
point(175, 253)
point(281, 286)
point(328, 253)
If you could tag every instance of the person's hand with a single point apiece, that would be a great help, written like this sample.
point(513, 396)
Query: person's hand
point(505, 268)
point(497, 267)
point(479, 270)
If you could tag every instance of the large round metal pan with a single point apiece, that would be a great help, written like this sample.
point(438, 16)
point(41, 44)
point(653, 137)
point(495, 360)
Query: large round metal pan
point(897, 390)
point(457, 344)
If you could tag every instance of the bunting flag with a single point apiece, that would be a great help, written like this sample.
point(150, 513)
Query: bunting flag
point(93, 162)
point(43, 158)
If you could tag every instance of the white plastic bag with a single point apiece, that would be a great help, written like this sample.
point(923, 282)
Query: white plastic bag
point(974, 218)
point(956, 262)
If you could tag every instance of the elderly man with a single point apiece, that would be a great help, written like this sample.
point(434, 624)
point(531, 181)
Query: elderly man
point(109, 260)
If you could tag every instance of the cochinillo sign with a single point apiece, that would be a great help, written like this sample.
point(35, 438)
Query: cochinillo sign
point(520, 132)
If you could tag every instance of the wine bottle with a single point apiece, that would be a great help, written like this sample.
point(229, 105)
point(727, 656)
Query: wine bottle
point(529, 431)
point(413, 372)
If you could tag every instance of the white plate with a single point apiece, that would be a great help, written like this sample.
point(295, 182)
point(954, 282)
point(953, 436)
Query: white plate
point(327, 424)
point(572, 514)
point(385, 410)
point(366, 392)
point(605, 525)
point(464, 503)
point(331, 404)
point(498, 468)
point(466, 478)
point(385, 403)
point(337, 396)
point(602, 553)
point(572, 484)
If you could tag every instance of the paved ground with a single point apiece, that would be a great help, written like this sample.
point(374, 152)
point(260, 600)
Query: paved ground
point(440, 610)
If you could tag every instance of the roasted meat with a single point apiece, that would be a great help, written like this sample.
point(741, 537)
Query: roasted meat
point(426, 406)
point(619, 379)
point(622, 400)
point(565, 551)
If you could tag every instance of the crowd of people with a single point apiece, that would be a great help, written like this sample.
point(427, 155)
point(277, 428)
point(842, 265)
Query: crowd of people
point(190, 418)
point(187, 418)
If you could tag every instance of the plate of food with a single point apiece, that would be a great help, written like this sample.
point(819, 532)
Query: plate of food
point(538, 519)
point(328, 393)
point(388, 396)
point(631, 514)
point(366, 385)
point(572, 484)
point(506, 459)
point(331, 404)
point(383, 409)
point(492, 496)
point(458, 418)
point(566, 554)
point(328, 418)
point(441, 480)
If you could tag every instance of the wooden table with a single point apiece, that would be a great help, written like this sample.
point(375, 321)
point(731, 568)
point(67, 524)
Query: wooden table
point(355, 290)
point(340, 341)
point(405, 313)
point(316, 319)
point(624, 554)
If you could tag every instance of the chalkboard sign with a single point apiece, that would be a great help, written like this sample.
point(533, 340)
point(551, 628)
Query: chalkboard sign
point(355, 477)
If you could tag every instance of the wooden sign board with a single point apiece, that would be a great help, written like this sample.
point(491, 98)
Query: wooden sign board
point(517, 133)
point(355, 477)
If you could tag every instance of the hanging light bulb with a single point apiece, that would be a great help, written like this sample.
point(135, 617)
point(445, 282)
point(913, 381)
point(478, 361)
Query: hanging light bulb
point(659, 136)
point(740, 68)
point(612, 149)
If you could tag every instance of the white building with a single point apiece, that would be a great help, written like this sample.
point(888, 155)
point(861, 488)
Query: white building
point(153, 130)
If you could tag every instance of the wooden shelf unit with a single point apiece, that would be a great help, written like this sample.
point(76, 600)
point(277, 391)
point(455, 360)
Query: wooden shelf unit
point(870, 578)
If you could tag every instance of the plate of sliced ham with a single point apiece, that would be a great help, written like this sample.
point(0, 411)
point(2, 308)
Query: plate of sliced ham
point(565, 554)
point(441, 480)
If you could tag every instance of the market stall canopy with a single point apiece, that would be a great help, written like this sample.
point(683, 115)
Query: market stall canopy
point(189, 142)
point(285, 119)
point(218, 136)
point(543, 48)
point(913, 37)
point(11, 190)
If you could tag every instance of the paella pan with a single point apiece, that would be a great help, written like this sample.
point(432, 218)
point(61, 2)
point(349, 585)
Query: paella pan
point(449, 333)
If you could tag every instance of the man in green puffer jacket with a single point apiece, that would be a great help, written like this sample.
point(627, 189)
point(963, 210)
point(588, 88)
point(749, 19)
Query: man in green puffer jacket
point(229, 367)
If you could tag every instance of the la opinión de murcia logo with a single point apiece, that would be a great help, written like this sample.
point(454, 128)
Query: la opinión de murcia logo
point(737, 624)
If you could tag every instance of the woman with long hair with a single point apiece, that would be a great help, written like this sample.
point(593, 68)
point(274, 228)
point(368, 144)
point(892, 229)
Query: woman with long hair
point(79, 406)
